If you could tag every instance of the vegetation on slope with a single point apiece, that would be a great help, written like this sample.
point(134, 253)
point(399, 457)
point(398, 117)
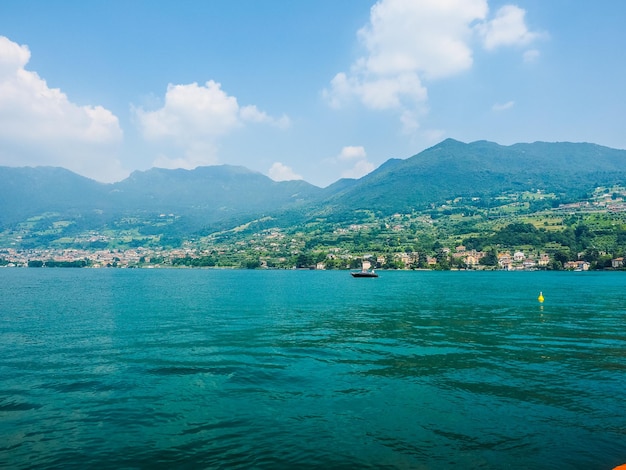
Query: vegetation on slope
point(486, 197)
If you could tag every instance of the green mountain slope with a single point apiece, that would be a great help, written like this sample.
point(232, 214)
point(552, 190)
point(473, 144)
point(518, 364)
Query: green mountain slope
point(209, 195)
point(481, 169)
point(27, 192)
point(204, 197)
point(220, 197)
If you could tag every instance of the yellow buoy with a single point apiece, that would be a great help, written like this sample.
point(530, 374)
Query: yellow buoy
point(540, 298)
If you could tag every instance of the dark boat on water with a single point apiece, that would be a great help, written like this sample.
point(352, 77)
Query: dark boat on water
point(364, 274)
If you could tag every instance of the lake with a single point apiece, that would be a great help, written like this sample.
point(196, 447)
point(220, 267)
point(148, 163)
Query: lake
point(163, 368)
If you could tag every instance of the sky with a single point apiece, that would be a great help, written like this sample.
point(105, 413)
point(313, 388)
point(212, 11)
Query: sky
point(310, 89)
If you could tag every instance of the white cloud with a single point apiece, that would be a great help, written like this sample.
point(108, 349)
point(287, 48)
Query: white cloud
point(252, 114)
point(41, 126)
point(13, 57)
point(360, 169)
point(352, 152)
point(410, 122)
point(408, 43)
point(197, 154)
point(508, 28)
point(434, 135)
point(192, 120)
point(280, 172)
point(531, 55)
point(361, 166)
point(503, 106)
point(191, 112)
point(428, 37)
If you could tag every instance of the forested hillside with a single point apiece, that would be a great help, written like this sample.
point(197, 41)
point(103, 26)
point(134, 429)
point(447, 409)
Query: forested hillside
point(486, 170)
point(452, 193)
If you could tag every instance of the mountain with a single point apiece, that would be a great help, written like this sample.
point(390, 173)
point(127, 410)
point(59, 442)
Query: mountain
point(208, 195)
point(27, 192)
point(204, 196)
point(481, 169)
point(217, 197)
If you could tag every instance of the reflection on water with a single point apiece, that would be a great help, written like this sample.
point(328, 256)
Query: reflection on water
point(275, 369)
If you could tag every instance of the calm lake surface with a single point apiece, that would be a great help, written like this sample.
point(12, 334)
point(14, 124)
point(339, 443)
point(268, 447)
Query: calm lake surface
point(169, 368)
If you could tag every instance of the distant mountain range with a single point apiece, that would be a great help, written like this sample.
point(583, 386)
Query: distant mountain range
point(483, 169)
point(216, 197)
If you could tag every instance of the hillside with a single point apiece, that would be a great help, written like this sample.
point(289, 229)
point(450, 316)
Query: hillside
point(28, 192)
point(210, 196)
point(40, 205)
point(205, 196)
point(483, 169)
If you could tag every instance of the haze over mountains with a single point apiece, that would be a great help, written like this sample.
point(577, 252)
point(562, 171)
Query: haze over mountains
point(223, 196)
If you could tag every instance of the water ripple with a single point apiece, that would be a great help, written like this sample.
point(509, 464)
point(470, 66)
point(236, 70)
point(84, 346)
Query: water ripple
point(271, 370)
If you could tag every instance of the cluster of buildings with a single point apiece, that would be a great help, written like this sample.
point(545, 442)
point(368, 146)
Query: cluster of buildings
point(521, 261)
point(472, 259)
point(96, 259)
point(148, 257)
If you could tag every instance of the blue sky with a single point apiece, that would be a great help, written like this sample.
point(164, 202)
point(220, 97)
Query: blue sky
point(317, 90)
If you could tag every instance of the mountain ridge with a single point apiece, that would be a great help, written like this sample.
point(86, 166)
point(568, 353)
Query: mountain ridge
point(216, 197)
point(483, 169)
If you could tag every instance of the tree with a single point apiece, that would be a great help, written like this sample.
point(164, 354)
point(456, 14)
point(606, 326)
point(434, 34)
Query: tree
point(458, 263)
point(252, 264)
point(304, 260)
point(583, 236)
point(393, 263)
point(591, 255)
point(474, 243)
point(443, 260)
point(604, 261)
point(561, 256)
point(422, 260)
point(334, 263)
point(490, 259)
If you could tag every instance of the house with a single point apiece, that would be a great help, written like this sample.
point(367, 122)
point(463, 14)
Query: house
point(505, 261)
point(544, 260)
point(473, 257)
point(529, 263)
point(577, 265)
point(506, 264)
point(405, 258)
point(617, 263)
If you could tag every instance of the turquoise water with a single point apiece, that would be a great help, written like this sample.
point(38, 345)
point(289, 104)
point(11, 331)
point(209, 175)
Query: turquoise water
point(311, 369)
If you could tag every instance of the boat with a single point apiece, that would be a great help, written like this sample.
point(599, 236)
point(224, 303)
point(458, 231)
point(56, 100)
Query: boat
point(365, 270)
point(364, 273)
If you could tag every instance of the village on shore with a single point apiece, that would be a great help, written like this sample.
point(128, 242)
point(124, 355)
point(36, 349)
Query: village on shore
point(458, 258)
point(459, 235)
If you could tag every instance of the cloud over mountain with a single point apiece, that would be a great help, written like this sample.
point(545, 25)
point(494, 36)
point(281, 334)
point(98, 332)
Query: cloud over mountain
point(357, 156)
point(192, 120)
point(39, 125)
point(408, 43)
point(281, 172)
